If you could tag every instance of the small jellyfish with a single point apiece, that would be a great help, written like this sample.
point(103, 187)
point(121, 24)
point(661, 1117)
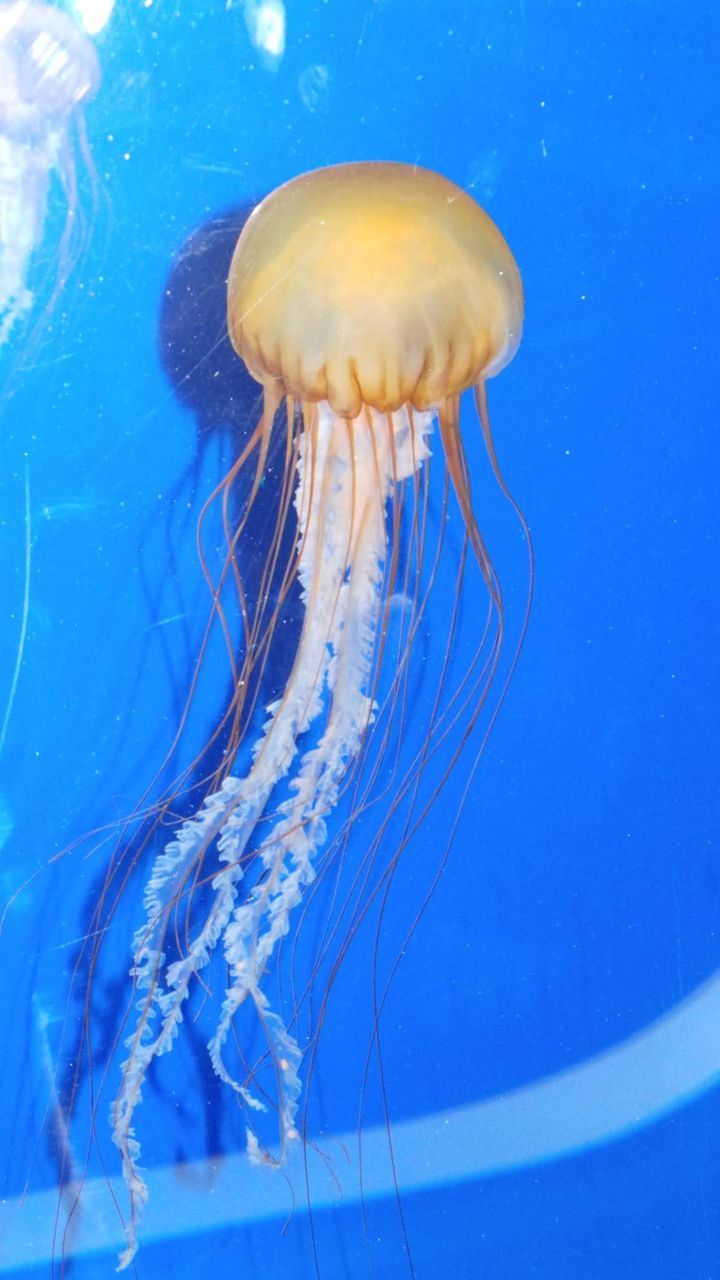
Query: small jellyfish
point(48, 69)
point(313, 87)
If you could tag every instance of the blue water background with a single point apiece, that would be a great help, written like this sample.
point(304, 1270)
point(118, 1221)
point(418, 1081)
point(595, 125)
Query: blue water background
point(580, 902)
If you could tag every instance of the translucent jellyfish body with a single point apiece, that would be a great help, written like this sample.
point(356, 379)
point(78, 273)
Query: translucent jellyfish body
point(48, 69)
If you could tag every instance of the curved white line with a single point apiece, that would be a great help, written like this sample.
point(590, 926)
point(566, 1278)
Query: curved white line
point(629, 1086)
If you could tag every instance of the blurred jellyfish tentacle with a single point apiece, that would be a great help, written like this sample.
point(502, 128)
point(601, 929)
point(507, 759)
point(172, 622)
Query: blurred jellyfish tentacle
point(346, 473)
point(48, 68)
point(24, 181)
point(24, 613)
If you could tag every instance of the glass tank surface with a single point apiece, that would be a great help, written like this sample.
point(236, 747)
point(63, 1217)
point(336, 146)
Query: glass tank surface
point(358, 676)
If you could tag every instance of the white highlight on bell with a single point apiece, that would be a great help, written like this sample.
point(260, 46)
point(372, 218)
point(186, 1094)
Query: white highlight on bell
point(93, 14)
point(346, 473)
point(265, 22)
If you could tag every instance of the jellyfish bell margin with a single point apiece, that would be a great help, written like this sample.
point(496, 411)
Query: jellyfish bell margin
point(364, 299)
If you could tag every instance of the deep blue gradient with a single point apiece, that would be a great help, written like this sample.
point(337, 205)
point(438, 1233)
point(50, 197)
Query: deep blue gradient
point(580, 901)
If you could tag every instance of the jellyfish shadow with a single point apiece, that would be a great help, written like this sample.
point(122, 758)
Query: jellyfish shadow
point(210, 382)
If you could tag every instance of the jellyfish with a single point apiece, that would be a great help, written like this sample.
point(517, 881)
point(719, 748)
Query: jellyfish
point(364, 299)
point(48, 69)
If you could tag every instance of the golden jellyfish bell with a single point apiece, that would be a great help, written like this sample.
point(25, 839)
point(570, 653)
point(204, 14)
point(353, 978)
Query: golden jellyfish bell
point(374, 284)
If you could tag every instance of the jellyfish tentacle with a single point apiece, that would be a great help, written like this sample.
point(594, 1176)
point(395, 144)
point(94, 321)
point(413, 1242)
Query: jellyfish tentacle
point(346, 473)
point(228, 817)
point(373, 459)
